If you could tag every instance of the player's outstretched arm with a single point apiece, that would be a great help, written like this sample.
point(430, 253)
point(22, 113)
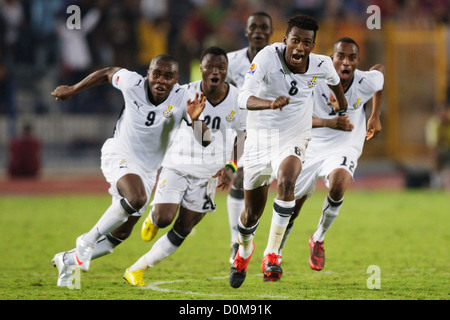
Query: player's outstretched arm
point(374, 122)
point(255, 103)
point(195, 108)
point(96, 78)
point(337, 123)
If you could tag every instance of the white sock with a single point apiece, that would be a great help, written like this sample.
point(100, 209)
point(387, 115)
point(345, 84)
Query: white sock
point(330, 211)
point(245, 238)
point(105, 245)
point(164, 247)
point(235, 208)
point(113, 218)
point(282, 212)
point(287, 232)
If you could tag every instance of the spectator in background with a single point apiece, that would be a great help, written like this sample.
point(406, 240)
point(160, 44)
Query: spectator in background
point(76, 55)
point(25, 155)
point(437, 134)
point(13, 15)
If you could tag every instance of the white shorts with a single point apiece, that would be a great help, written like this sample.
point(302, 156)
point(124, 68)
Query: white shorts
point(261, 161)
point(321, 167)
point(196, 194)
point(115, 163)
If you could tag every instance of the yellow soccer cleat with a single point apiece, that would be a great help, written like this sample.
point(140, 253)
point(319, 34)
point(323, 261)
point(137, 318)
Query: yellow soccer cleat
point(148, 230)
point(134, 278)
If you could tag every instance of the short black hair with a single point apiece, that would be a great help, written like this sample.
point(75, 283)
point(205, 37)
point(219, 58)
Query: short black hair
point(347, 40)
point(215, 51)
point(303, 22)
point(164, 57)
point(261, 14)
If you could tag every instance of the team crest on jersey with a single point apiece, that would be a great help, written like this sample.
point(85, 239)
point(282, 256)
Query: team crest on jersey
point(357, 104)
point(252, 69)
point(312, 83)
point(231, 117)
point(168, 113)
point(117, 80)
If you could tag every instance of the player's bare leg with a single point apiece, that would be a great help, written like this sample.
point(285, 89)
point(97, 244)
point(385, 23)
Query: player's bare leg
point(283, 209)
point(160, 216)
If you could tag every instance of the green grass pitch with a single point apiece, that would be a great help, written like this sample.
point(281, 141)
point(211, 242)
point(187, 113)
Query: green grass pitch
point(404, 233)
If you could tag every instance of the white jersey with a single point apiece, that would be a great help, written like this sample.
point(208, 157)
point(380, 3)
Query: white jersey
point(144, 130)
point(187, 156)
point(238, 64)
point(365, 85)
point(269, 77)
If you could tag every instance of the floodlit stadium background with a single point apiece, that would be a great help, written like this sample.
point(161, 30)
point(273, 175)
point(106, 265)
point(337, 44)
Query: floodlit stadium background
point(39, 52)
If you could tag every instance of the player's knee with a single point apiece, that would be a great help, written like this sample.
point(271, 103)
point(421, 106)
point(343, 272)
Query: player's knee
point(160, 219)
point(336, 192)
point(137, 201)
point(285, 186)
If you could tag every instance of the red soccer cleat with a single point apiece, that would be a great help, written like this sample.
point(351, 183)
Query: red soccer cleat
point(316, 254)
point(271, 268)
point(238, 269)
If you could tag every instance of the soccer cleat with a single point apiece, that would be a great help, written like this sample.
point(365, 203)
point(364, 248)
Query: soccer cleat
point(234, 250)
point(148, 230)
point(134, 278)
point(83, 253)
point(316, 254)
point(238, 269)
point(271, 267)
point(64, 272)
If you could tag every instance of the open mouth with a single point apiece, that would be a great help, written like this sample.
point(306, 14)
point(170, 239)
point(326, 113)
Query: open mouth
point(297, 58)
point(160, 90)
point(215, 80)
point(345, 72)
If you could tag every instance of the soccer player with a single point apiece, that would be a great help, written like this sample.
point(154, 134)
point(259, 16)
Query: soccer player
point(282, 76)
point(258, 32)
point(189, 172)
point(154, 107)
point(337, 141)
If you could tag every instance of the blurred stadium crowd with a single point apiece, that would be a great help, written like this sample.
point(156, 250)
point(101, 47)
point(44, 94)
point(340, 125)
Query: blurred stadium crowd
point(38, 51)
point(36, 47)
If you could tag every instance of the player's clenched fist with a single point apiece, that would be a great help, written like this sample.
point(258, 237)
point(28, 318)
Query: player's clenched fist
point(279, 103)
point(63, 92)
